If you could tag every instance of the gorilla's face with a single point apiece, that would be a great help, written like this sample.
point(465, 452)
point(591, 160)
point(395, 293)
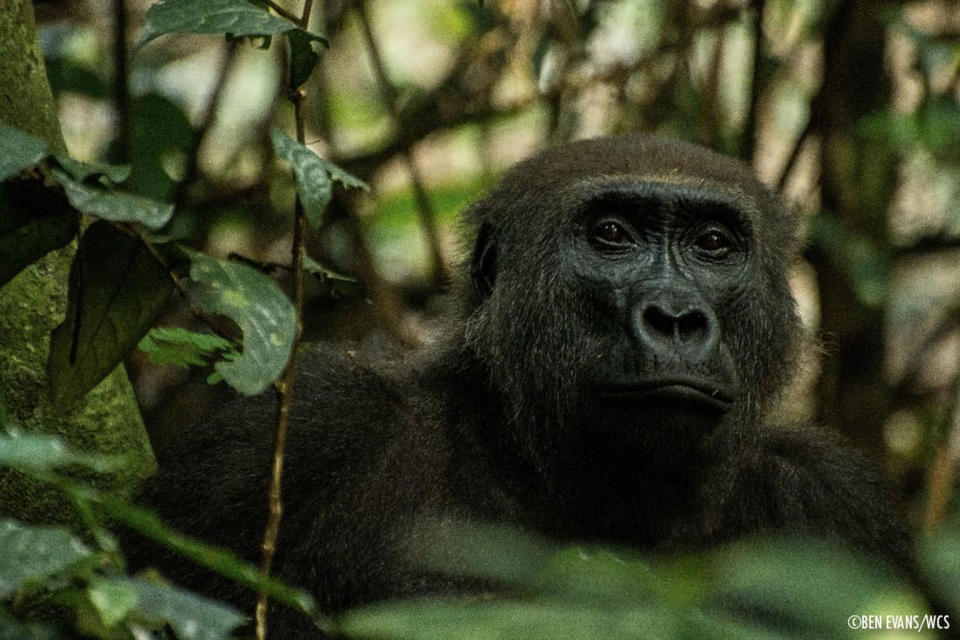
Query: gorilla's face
point(631, 310)
point(663, 271)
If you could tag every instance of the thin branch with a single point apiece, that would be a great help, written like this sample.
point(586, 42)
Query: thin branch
point(283, 12)
point(206, 121)
point(801, 140)
point(943, 471)
point(121, 89)
point(285, 384)
point(748, 140)
point(388, 95)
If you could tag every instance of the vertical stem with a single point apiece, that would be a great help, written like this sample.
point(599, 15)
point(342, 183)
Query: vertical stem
point(748, 140)
point(388, 95)
point(285, 385)
point(121, 91)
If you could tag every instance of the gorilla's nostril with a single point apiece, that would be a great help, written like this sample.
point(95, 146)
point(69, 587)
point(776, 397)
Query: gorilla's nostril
point(659, 320)
point(692, 325)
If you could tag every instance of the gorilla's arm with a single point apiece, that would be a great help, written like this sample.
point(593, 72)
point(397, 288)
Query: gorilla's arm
point(357, 463)
point(806, 481)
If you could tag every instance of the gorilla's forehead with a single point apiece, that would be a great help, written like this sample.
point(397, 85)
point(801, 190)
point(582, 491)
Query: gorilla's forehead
point(693, 190)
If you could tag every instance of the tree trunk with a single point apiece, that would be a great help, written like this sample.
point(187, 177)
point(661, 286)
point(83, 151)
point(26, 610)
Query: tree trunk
point(33, 303)
point(857, 182)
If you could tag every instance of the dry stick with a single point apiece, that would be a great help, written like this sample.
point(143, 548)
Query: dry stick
point(285, 385)
point(944, 468)
point(283, 12)
point(388, 95)
point(121, 91)
point(748, 141)
point(206, 121)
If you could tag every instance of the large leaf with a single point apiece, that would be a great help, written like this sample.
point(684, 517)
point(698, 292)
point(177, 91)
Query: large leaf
point(314, 175)
point(34, 219)
point(14, 630)
point(222, 561)
point(191, 617)
point(940, 564)
point(234, 17)
point(115, 205)
point(303, 57)
point(39, 454)
point(30, 554)
point(117, 289)
point(183, 348)
point(18, 151)
point(83, 171)
point(260, 309)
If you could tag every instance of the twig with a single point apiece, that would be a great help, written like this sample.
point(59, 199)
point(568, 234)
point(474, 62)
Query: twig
point(808, 130)
point(283, 12)
point(206, 121)
point(943, 471)
point(121, 90)
point(388, 95)
point(285, 384)
point(748, 140)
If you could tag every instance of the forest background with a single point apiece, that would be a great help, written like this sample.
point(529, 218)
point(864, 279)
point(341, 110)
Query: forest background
point(849, 108)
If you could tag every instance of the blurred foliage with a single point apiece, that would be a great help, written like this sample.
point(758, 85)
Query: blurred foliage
point(761, 588)
point(467, 88)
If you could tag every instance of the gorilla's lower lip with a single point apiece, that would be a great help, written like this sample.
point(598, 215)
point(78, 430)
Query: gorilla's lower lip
point(676, 390)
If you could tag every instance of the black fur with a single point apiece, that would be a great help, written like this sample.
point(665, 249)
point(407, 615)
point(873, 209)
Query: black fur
point(501, 420)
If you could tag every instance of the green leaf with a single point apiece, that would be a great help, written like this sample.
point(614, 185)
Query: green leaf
point(333, 284)
point(303, 57)
point(117, 289)
point(260, 309)
point(114, 205)
point(940, 563)
point(112, 599)
point(14, 630)
point(18, 151)
point(34, 219)
point(222, 561)
point(191, 617)
point(221, 17)
point(183, 348)
point(313, 173)
point(82, 171)
point(30, 554)
point(39, 454)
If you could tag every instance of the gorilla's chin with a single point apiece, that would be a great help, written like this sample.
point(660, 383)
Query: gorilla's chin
point(665, 424)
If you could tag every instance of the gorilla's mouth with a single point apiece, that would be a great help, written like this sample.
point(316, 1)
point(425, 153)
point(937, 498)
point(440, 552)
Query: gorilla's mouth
point(674, 390)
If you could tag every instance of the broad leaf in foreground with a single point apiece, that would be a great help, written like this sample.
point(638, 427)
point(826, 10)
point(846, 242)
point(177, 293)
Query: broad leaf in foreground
point(115, 206)
point(183, 348)
point(39, 454)
point(31, 554)
point(34, 220)
point(261, 310)
point(314, 175)
point(117, 289)
point(213, 17)
point(191, 617)
point(18, 151)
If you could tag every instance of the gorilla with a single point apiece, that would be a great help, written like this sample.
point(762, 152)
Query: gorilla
point(605, 374)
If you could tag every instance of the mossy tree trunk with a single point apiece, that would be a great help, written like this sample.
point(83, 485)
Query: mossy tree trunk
point(32, 304)
point(857, 183)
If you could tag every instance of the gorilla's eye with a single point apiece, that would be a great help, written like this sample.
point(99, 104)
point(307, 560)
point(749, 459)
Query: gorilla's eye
point(714, 242)
point(609, 232)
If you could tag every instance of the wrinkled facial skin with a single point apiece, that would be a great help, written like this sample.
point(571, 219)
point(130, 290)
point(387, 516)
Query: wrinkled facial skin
point(639, 322)
point(630, 304)
point(658, 269)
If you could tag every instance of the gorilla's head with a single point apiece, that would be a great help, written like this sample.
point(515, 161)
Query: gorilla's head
point(630, 291)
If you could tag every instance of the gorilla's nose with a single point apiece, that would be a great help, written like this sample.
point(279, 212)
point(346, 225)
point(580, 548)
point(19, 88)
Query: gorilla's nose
point(672, 325)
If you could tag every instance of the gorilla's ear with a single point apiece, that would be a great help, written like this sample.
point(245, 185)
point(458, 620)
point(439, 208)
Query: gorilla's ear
point(483, 264)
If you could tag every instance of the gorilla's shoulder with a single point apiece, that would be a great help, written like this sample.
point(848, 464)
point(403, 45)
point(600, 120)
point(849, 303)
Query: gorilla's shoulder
point(822, 485)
